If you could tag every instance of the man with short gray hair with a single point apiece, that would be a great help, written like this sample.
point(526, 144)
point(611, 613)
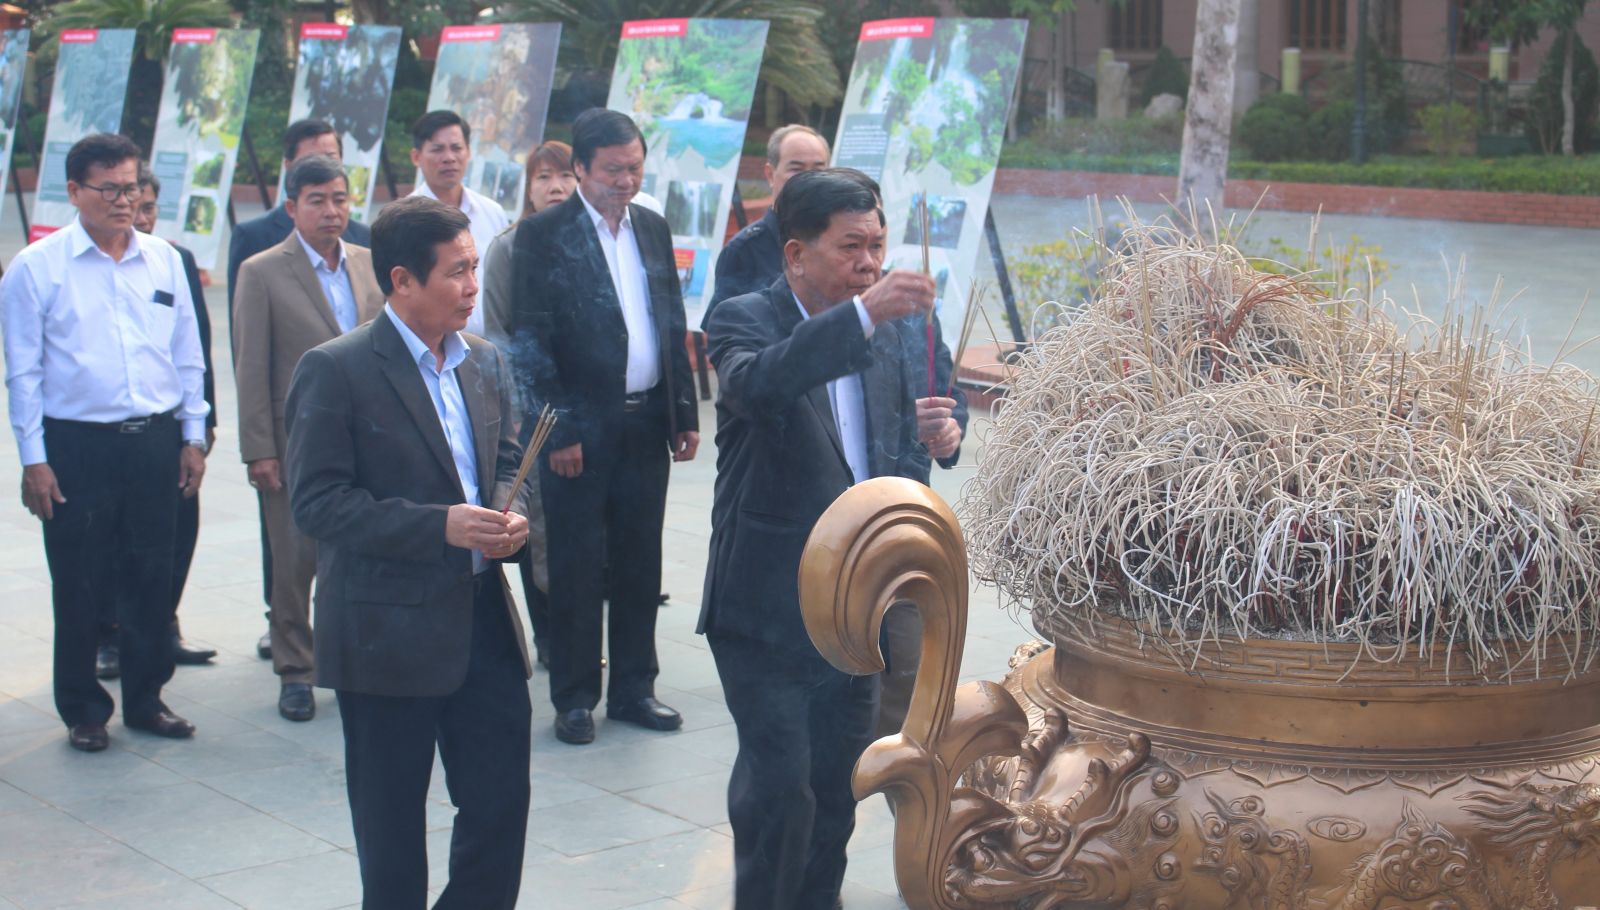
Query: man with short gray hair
point(311, 288)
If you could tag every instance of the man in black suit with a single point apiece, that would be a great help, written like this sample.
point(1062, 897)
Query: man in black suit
point(400, 455)
point(302, 138)
point(813, 399)
point(597, 334)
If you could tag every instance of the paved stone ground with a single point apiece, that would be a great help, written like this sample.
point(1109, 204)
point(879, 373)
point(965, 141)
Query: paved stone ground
point(252, 813)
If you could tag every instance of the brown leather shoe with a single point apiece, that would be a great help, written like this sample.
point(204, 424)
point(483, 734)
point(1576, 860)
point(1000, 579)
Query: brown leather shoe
point(162, 723)
point(88, 737)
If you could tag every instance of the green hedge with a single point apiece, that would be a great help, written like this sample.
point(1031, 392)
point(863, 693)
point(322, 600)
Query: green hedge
point(1523, 174)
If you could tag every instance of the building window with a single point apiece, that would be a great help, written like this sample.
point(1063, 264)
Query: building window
point(1136, 25)
point(1472, 35)
point(1317, 25)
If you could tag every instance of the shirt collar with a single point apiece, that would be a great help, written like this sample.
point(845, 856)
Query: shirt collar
point(803, 314)
point(468, 205)
point(455, 347)
point(79, 241)
point(600, 220)
point(317, 262)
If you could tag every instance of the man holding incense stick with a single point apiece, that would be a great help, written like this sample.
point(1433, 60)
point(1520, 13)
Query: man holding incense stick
point(401, 461)
point(813, 400)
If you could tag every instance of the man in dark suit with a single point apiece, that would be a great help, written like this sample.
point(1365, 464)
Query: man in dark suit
point(813, 399)
point(597, 334)
point(301, 139)
point(400, 454)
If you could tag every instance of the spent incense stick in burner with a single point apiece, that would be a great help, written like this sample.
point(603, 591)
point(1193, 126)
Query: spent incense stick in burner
point(922, 223)
point(541, 432)
point(968, 320)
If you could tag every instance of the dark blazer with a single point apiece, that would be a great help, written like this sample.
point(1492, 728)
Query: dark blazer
point(750, 262)
point(370, 479)
point(569, 342)
point(202, 317)
point(267, 231)
point(780, 462)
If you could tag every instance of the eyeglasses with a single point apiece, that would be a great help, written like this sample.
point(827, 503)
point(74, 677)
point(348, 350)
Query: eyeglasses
point(111, 193)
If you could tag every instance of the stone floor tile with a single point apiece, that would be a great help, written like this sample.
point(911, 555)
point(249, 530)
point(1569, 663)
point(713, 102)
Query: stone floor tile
point(858, 897)
point(51, 860)
point(19, 716)
point(702, 800)
point(184, 895)
point(564, 884)
point(319, 882)
point(313, 781)
point(188, 804)
point(552, 789)
point(13, 800)
point(198, 851)
point(625, 765)
point(719, 743)
point(53, 772)
point(207, 755)
point(872, 868)
point(601, 823)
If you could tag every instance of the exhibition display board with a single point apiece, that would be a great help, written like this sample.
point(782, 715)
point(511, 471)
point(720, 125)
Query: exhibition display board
point(345, 77)
point(689, 84)
point(497, 77)
point(90, 85)
point(924, 115)
point(13, 67)
point(197, 135)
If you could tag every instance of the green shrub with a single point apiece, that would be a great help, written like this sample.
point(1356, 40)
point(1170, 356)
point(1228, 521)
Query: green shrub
point(1330, 127)
point(1544, 106)
point(1276, 128)
point(1166, 77)
point(1388, 117)
point(1451, 129)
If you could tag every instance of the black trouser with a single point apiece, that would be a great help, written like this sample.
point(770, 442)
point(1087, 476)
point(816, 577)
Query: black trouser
point(112, 542)
point(610, 515)
point(187, 534)
point(802, 725)
point(482, 734)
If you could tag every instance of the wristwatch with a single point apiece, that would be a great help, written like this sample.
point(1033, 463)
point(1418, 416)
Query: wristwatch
point(199, 444)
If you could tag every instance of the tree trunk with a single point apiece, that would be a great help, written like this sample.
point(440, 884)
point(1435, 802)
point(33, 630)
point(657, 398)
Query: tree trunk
point(1208, 120)
point(1568, 115)
point(1247, 68)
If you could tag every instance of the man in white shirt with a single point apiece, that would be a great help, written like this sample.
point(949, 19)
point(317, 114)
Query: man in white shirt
point(105, 374)
point(597, 333)
point(441, 148)
point(311, 288)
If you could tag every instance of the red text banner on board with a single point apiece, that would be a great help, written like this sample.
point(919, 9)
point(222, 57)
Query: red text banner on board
point(655, 28)
point(40, 231)
point(885, 29)
point(324, 30)
point(79, 36)
point(193, 35)
point(454, 33)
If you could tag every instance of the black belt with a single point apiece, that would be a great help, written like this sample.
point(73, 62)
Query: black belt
point(635, 401)
point(129, 426)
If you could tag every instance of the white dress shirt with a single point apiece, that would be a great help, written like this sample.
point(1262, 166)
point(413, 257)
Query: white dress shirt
point(486, 220)
point(849, 402)
point(633, 293)
point(335, 285)
point(92, 339)
point(444, 389)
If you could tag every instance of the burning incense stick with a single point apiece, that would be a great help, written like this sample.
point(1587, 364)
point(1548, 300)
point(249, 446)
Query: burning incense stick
point(541, 432)
point(927, 268)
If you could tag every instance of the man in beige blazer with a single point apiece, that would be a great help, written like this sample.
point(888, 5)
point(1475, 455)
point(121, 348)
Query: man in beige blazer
point(311, 288)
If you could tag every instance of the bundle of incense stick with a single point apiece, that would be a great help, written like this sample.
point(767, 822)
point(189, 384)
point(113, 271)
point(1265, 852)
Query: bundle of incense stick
point(541, 432)
point(927, 269)
point(968, 321)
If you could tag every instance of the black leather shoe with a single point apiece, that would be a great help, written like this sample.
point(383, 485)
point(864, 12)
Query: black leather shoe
point(88, 737)
point(162, 723)
point(647, 712)
point(108, 662)
point(264, 647)
point(575, 727)
point(296, 703)
point(192, 657)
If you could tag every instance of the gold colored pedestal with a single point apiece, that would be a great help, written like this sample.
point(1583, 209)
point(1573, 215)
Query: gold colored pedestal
point(1260, 775)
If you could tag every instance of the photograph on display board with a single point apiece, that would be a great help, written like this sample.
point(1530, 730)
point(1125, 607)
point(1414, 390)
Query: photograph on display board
point(345, 77)
point(90, 85)
point(13, 66)
point(689, 84)
point(925, 114)
point(197, 134)
point(498, 78)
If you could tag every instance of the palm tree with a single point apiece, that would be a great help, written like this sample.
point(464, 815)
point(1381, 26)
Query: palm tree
point(796, 62)
point(153, 21)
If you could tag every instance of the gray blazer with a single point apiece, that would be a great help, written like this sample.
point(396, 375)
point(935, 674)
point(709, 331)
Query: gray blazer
point(370, 479)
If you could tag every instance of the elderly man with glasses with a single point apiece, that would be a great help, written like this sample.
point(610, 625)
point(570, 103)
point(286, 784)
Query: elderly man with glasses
point(106, 377)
